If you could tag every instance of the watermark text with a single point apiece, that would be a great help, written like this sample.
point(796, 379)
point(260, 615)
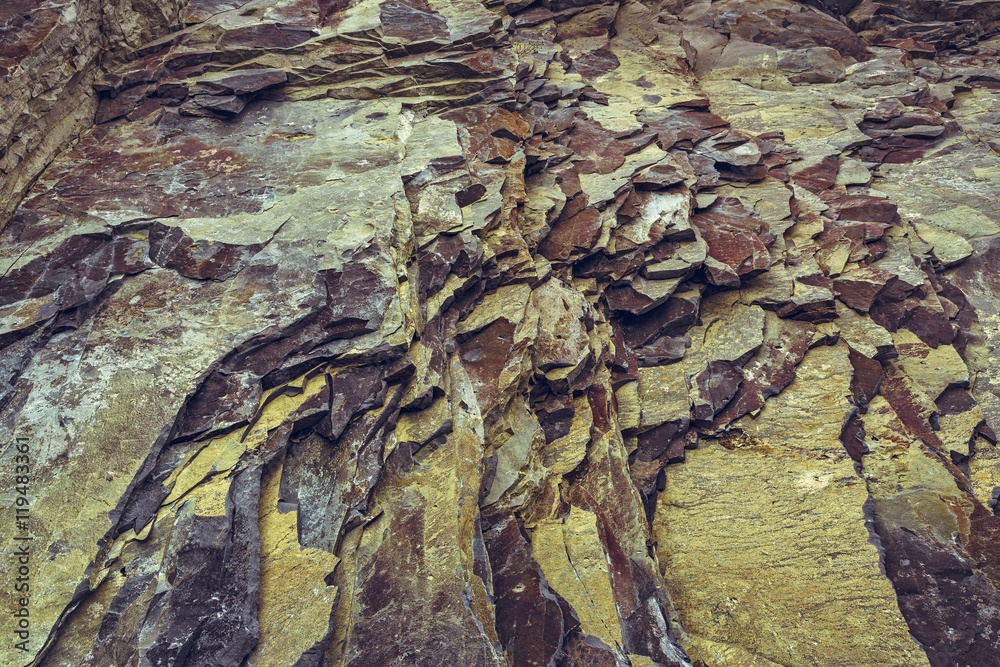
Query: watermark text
point(20, 555)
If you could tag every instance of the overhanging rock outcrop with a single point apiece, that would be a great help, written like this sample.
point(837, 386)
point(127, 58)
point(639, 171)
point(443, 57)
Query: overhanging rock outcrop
point(427, 332)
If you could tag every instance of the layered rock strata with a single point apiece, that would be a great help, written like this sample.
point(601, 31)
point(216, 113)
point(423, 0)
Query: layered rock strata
point(425, 332)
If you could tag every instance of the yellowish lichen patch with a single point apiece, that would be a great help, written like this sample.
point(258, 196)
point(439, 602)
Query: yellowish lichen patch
point(295, 601)
point(762, 539)
point(570, 554)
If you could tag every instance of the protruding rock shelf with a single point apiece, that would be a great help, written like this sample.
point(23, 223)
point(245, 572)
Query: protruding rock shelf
point(496, 332)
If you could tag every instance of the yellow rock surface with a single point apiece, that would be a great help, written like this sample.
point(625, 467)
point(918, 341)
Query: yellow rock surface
point(763, 544)
point(570, 554)
point(293, 590)
point(985, 471)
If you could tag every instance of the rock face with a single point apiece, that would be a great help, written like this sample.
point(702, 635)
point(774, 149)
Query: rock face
point(499, 332)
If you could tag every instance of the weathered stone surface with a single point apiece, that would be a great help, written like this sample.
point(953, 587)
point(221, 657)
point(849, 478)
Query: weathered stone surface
point(858, 288)
point(729, 530)
point(737, 243)
point(948, 247)
point(934, 533)
point(425, 332)
point(52, 54)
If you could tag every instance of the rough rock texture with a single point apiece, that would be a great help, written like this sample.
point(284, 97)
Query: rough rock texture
point(51, 54)
point(499, 332)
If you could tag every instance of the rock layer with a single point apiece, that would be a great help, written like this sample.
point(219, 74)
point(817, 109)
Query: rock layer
point(502, 333)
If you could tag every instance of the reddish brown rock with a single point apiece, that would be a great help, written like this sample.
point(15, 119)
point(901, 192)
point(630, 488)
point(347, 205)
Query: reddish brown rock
point(682, 126)
point(954, 400)
point(600, 265)
point(624, 366)
point(532, 620)
point(661, 175)
point(925, 574)
point(732, 148)
point(412, 20)
point(913, 47)
point(940, 26)
point(447, 254)
point(863, 207)
point(819, 177)
point(665, 438)
point(713, 388)
point(853, 438)
point(264, 36)
point(640, 295)
point(490, 134)
point(227, 104)
point(705, 171)
point(241, 82)
point(662, 351)
point(930, 325)
point(770, 370)
point(199, 10)
point(866, 379)
point(787, 26)
point(885, 110)
point(580, 653)
point(590, 140)
point(737, 241)
point(124, 103)
point(485, 355)
point(811, 301)
point(674, 316)
point(859, 288)
point(572, 235)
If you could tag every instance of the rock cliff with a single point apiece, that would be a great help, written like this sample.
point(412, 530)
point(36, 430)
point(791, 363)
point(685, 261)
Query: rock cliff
point(500, 332)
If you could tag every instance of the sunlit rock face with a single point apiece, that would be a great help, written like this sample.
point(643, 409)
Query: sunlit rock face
point(450, 332)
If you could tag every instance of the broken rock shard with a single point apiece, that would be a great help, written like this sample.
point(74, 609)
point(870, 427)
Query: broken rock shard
point(571, 333)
